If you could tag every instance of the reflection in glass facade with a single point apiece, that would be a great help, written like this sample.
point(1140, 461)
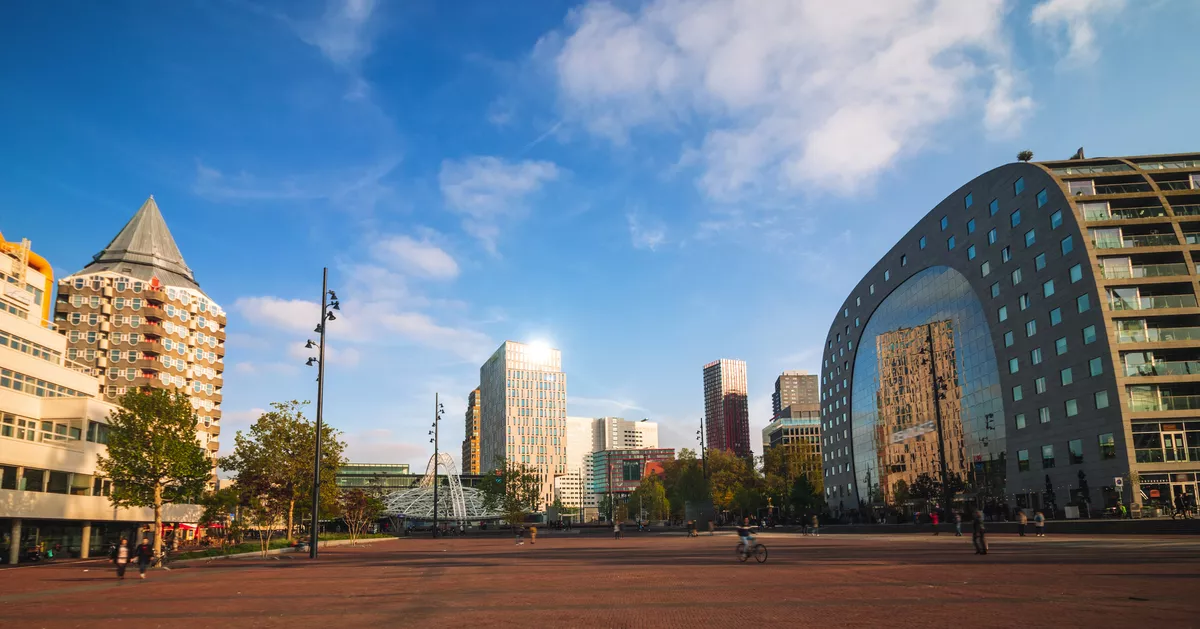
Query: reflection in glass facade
point(930, 334)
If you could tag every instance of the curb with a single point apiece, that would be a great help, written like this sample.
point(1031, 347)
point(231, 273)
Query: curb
point(282, 551)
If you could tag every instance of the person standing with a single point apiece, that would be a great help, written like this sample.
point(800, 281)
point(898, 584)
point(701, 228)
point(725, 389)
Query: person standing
point(933, 516)
point(616, 530)
point(121, 558)
point(1022, 520)
point(1039, 524)
point(144, 554)
point(979, 533)
point(957, 524)
point(532, 535)
point(517, 534)
point(816, 526)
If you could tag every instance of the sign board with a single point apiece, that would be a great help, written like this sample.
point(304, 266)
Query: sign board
point(1119, 482)
point(20, 295)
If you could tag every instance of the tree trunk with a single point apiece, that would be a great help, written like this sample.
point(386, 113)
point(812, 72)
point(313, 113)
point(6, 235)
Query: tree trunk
point(158, 499)
point(291, 521)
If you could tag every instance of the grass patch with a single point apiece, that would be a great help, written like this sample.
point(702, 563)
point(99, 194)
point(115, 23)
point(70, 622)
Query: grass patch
point(254, 546)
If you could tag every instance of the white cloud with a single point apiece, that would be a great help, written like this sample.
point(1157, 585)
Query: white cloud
point(465, 343)
point(334, 355)
point(359, 188)
point(342, 33)
point(793, 94)
point(383, 446)
point(269, 367)
point(487, 189)
point(646, 234)
point(601, 407)
point(294, 315)
point(237, 420)
point(417, 257)
point(1078, 18)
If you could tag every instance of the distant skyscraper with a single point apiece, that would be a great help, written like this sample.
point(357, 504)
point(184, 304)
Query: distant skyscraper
point(137, 316)
point(726, 411)
point(797, 394)
point(470, 445)
point(523, 411)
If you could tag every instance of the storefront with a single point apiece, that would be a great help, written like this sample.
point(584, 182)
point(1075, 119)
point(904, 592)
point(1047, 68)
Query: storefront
point(63, 539)
point(1162, 492)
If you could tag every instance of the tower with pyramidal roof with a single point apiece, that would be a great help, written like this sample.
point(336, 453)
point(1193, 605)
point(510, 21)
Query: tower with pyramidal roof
point(138, 318)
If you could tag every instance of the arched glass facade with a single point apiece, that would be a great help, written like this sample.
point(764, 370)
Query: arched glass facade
point(930, 334)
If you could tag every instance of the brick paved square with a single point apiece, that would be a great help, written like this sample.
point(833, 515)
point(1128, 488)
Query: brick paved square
point(640, 581)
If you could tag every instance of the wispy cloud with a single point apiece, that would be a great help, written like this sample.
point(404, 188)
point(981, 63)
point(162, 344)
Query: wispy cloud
point(419, 257)
point(646, 233)
point(350, 189)
point(489, 190)
point(1078, 18)
point(598, 407)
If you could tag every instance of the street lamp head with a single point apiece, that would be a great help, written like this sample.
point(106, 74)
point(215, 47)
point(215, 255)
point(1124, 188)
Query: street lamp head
point(320, 327)
point(333, 295)
point(309, 344)
point(331, 317)
point(335, 305)
point(311, 361)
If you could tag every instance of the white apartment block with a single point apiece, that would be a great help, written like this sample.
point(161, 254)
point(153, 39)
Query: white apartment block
point(523, 411)
point(568, 489)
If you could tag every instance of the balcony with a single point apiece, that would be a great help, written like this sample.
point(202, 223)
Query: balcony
point(1118, 213)
point(1156, 302)
point(1145, 270)
point(1190, 209)
point(1165, 403)
point(1192, 238)
point(1164, 368)
point(1176, 185)
point(1091, 170)
point(1159, 335)
point(1122, 188)
point(1136, 240)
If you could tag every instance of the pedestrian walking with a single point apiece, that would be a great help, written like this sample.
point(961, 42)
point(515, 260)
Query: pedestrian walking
point(816, 526)
point(710, 528)
point(518, 533)
point(934, 516)
point(616, 530)
point(1022, 521)
point(979, 533)
point(1039, 524)
point(120, 557)
point(144, 554)
point(532, 535)
point(957, 524)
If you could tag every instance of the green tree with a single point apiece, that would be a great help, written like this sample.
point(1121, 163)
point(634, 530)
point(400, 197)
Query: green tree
point(513, 489)
point(925, 488)
point(651, 498)
point(728, 474)
point(900, 493)
point(153, 457)
point(684, 482)
point(804, 497)
point(274, 460)
point(1025, 155)
point(358, 509)
point(223, 507)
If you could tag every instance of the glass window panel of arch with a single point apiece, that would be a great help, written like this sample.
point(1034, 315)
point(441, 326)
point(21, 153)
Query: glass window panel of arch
point(934, 314)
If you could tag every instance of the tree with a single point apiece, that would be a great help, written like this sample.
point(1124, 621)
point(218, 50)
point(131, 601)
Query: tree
point(274, 460)
point(684, 482)
point(1025, 155)
point(900, 493)
point(925, 489)
point(651, 498)
point(728, 473)
point(223, 507)
point(153, 456)
point(513, 488)
point(264, 513)
point(359, 509)
point(804, 497)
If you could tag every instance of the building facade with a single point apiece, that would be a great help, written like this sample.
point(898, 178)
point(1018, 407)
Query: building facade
point(389, 477)
point(1033, 340)
point(726, 407)
point(801, 435)
point(470, 445)
point(523, 411)
point(53, 427)
point(797, 394)
point(617, 473)
point(136, 316)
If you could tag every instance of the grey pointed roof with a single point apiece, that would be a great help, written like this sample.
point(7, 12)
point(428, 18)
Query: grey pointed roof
point(144, 249)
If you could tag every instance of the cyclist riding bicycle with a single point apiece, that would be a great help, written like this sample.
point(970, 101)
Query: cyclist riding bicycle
point(743, 532)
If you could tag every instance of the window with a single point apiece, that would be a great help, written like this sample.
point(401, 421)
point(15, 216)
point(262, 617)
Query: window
point(1044, 415)
point(971, 252)
point(1030, 238)
point(1013, 365)
point(1067, 245)
point(887, 275)
point(1055, 317)
point(1082, 303)
point(1035, 356)
point(1056, 220)
point(995, 290)
point(950, 243)
point(944, 223)
point(1017, 396)
point(985, 270)
point(1089, 335)
point(1031, 327)
point(1005, 254)
point(1072, 407)
point(1016, 276)
point(871, 289)
point(1047, 457)
point(921, 242)
point(1039, 385)
point(1008, 339)
point(1014, 219)
point(969, 200)
point(1075, 451)
point(1076, 273)
point(1002, 314)
point(903, 260)
point(1023, 460)
point(1108, 446)
point(971, 226)
point(1095, 366)
point(1020, 419)
point(1047, 288)
point(1039, 262)
point(1042, 197)
point(992, 236)
point(993, 207)
point(1101, 399)
point(1023, 301)
point(1060, 346)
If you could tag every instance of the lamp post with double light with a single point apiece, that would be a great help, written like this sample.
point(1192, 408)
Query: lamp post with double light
point(329, 303)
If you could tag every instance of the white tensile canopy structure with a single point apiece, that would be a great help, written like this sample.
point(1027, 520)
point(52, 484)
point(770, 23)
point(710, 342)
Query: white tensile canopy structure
point(455, 503)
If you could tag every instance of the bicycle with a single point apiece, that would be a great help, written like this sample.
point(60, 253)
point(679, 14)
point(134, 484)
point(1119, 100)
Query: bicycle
point(757, 550)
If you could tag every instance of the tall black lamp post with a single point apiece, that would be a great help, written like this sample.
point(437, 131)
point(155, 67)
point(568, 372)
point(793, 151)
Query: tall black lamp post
point(329, 303)
point(437, 418)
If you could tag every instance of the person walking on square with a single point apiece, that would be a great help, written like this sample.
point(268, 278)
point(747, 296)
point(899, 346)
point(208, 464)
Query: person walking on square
point(816, 526)
point(532, 535)
point(1022, 520)
point(710, 528)
point(518, 533)
point(143, 554)
point(933, 517)
point(979, 533)
point(1039, 524)
point(120, 557)
point(616, 530)
point(957, 524)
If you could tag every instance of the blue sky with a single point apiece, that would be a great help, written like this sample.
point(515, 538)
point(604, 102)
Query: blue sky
point(647, 187)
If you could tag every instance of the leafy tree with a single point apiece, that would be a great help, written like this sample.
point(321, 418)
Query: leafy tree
point(153, 457)
point(925, 488)
point(728, 473)
point(804, 497)
point(265, 514)
point(513, 489)
point(1025, 155)
point(359, 509)
point(651, 497)
point(223, 507)
point(274, 460)
point(684, 482)
point(900, 493)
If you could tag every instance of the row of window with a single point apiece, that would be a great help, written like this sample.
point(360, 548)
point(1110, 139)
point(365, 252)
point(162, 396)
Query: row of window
point(25, 429)
point(1075, 456)
point(10, 379)
point(26, 346)
point(13, 310)
point(121, 284)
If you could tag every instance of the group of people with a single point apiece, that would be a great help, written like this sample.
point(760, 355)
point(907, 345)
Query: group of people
point(121, 557)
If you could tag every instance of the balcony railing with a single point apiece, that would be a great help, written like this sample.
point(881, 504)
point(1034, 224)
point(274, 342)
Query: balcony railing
point(1090, 170)
point(1183, 163)
point(1158, 335)
point(1166, 403)
point(1122, 188)
point(1146, 270)
point(1117, 213)
point(1153, 303)
point(1136, 240)
point(1175, 185)
point(1190, 209)
point(1165, 368)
